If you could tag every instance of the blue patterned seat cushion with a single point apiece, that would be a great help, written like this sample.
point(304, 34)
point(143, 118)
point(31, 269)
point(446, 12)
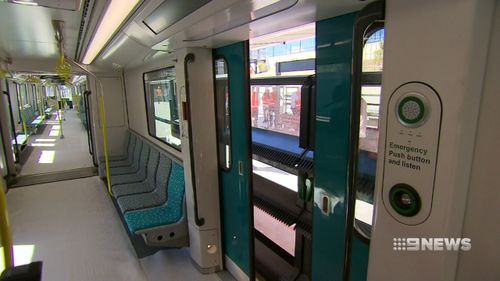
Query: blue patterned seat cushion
point(131, 188)
point(171, 212)
point(127, 178)
point(124, 160)
point(139, 201)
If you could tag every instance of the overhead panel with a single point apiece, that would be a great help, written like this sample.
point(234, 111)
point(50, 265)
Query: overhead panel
point(170, 12)
point(237, 15)
point(71, 5)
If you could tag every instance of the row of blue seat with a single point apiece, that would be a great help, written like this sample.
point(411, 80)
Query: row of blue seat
point(148, 189)
point(33, 119)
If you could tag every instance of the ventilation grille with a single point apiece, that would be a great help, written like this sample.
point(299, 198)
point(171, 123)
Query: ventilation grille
point(287, 161)
point(301, 222)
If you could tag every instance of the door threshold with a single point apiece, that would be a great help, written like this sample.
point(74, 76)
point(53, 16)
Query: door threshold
point(53, 177)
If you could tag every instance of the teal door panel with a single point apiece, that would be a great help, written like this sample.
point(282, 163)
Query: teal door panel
point(359, 259)
point(333, 86)
point(235, 186)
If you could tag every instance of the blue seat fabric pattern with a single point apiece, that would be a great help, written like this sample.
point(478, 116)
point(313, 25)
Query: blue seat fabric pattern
point(148, 158)
point(153, 180)
point(135, 163)
point(154, 198)
point(169, 213)
point(125, 160)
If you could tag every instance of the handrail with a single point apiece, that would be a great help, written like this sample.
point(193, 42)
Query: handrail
point(13, 126)
point(190, 58)
point(23, 114)
point(5, 231)
point(86, 95)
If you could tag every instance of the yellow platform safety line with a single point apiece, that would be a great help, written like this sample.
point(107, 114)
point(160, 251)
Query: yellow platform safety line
point(105, 138)
point(5, 230)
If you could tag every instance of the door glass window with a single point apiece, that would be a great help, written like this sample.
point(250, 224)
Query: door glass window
point(161, 105)
point(281, 68)
point(223, 113)
point(372, 67)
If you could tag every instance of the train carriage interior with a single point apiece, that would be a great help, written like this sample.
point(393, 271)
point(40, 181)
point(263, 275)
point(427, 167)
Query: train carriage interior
point(269, 140)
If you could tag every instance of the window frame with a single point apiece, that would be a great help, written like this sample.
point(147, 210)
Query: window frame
point(146, 106)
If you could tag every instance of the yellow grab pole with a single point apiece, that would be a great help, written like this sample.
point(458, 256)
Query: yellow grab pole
point(60, 112)
point(105, 138)
point(5, 231)
point(41, 110)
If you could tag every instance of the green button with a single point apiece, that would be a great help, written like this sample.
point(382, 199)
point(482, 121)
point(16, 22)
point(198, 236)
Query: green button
point(411, 110)
point(404, 200)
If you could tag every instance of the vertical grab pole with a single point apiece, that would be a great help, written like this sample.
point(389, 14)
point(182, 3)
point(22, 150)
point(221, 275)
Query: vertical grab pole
point(60, 111)
point(105, 139)
point(42, 101)
point(41, 110)
point(5, 231)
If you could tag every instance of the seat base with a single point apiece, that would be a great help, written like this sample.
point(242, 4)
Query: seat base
point(172, 235)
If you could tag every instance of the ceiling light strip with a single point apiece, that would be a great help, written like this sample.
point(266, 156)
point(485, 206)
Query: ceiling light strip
point(115, 14)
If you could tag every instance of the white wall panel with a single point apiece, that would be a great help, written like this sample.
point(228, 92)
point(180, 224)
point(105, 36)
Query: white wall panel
point(483, 205)
point(114, 100)
point(443, 44)
point(136, 103)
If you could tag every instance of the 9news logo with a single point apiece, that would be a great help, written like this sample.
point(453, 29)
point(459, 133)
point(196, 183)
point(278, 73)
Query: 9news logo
point(431, 244)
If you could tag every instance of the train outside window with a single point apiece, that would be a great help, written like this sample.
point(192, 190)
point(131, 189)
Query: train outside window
point(162, 108)
point(277, 107)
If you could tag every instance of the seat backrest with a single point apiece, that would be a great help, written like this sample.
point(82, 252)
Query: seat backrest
point(143, 160)
point(127, 142)
point(27, 114)
point(154, 156)
point(163, 171)
point(176, 189)
point(131, 145)
point(137, 153)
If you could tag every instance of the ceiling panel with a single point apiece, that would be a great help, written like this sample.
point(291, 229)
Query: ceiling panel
point(170, 12)
point(26, 31)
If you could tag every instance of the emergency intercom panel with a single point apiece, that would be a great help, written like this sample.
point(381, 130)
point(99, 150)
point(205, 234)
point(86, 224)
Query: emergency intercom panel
point(411, 152)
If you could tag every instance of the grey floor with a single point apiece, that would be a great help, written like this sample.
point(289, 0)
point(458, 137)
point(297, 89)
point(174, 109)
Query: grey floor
point(72, 226)
point(74, 229)
point(70, 152)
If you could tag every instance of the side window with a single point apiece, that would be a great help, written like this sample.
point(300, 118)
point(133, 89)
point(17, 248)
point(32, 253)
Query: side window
point(222, 98)
point(372, 67)
point(161, 106)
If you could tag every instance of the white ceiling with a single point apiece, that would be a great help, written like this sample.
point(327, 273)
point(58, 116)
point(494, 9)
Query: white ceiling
point(26, 32)
point(207, 22)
